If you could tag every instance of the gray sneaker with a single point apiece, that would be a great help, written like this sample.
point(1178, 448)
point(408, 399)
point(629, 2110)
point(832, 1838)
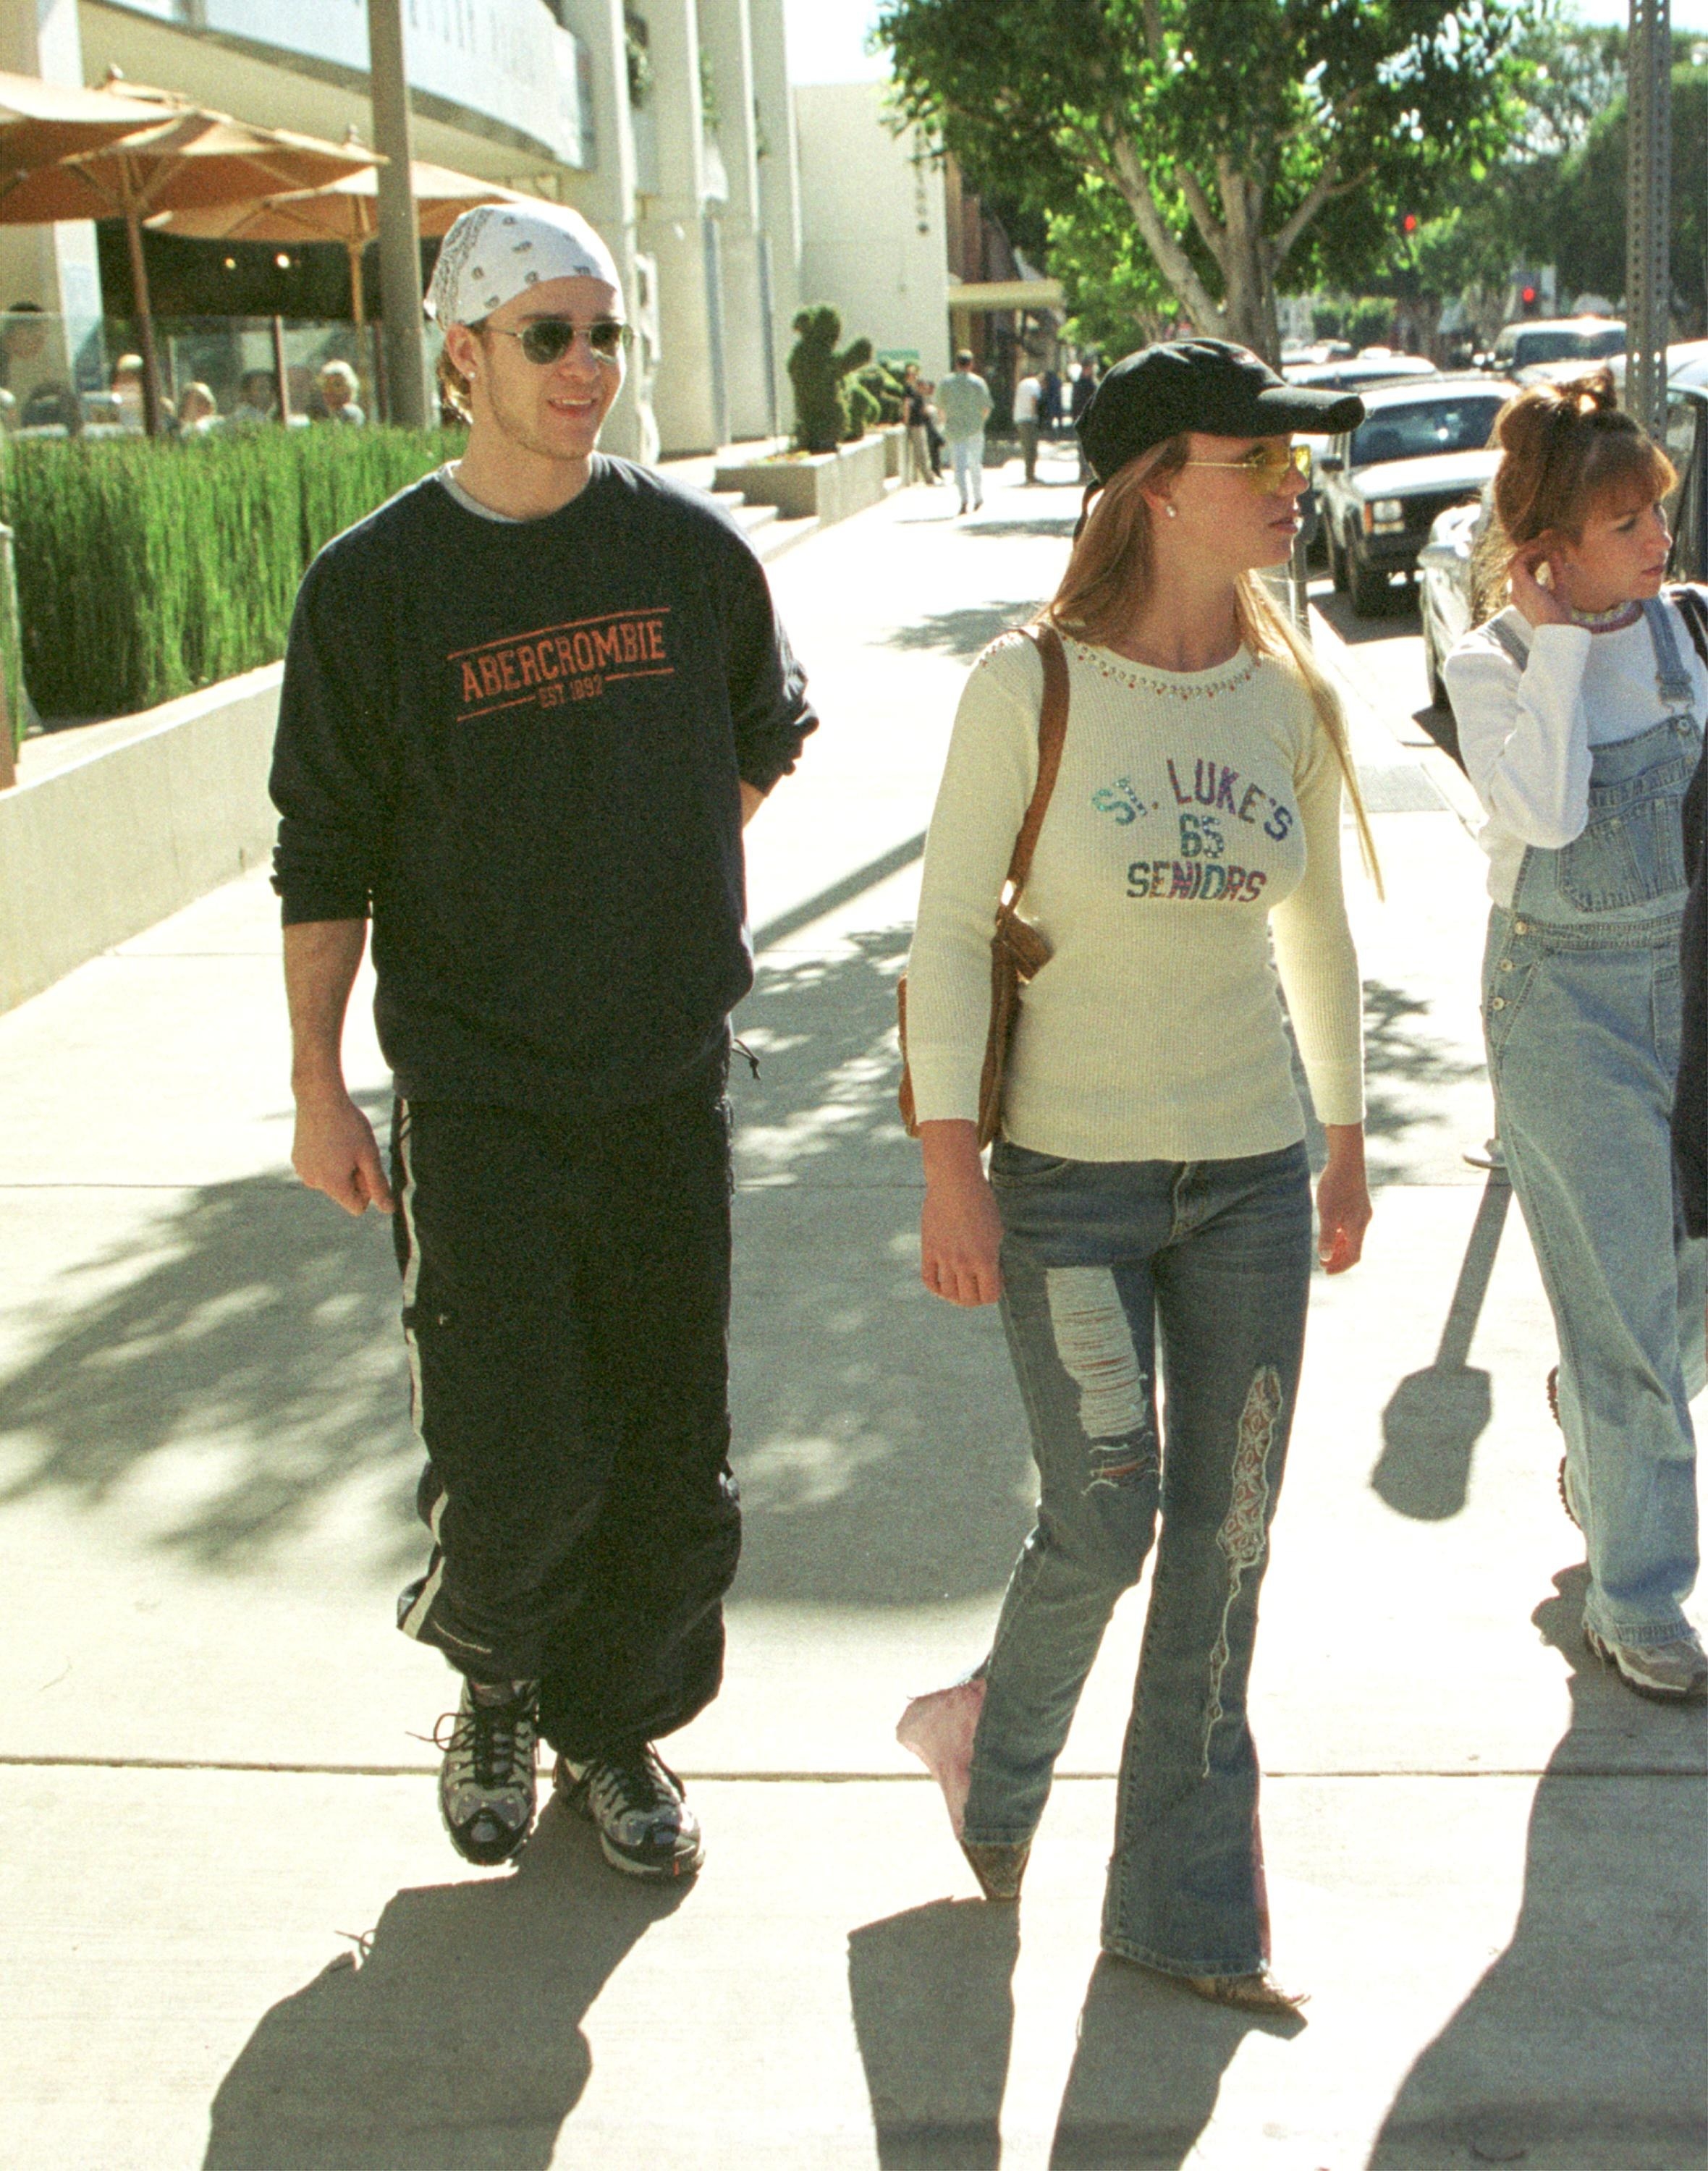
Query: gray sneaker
point(634, 1802)
point(1674, 1672)
point(486, 1781)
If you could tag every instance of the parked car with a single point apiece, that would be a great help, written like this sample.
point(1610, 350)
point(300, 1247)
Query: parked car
point(1521, 347)
point(1374, 366)
point(1420, 447)
point(1446, 563)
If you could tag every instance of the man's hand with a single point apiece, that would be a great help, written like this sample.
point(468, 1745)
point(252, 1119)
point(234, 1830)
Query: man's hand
point(335, 1151)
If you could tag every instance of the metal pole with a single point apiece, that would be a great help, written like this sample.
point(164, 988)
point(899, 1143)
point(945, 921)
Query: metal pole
point(1648, 201)
point(400, 238)
point(280, 376)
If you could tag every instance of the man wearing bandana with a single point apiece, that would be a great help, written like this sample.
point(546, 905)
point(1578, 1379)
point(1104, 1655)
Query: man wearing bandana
point(529, 706)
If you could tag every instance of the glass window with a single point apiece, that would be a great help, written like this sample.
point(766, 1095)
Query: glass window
point(1413, 433)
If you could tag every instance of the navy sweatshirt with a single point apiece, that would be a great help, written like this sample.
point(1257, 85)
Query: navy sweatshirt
point(517, 747)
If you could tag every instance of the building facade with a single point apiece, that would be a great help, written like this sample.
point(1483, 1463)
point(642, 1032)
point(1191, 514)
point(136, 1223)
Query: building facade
point(668, 122)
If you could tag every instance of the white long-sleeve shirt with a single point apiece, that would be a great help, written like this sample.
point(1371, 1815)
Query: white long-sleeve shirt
point(1528, 738)
point(1194, 812)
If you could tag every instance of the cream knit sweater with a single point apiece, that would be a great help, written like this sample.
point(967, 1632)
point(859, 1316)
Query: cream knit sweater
point(1194, 812)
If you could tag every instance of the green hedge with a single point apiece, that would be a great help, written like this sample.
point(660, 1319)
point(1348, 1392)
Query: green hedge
point(146, 570)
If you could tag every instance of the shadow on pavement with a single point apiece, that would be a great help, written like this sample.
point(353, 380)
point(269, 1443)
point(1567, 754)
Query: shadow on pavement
point(240, 1379)
point(1398, 614)
point(1147, 2073)
point(1585, 2036)
point(260, 1322)
point(1435, 1418)
point(881, 1443)
point(968, 631)
point(934, 2017)
point(456, 2038)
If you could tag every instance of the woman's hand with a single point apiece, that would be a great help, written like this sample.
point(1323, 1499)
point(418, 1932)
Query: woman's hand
point(1343, 1200)
point(1540, 605)
point(960, 1232)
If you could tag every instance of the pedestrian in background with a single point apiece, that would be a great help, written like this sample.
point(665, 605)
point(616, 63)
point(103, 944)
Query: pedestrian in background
point(1580, 708)
point(198, 410)
point(338, 385)
point(916, 420)
point(1028, 396)
point(965, 403)
point(1148, 1204)
point(1049, 406)
point(1084, 391)
point(529, 705)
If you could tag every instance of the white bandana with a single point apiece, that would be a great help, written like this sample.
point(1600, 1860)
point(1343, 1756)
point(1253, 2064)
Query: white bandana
point(497, 251)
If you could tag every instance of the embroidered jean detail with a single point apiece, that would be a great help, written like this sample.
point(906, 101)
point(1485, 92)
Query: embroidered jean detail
point(1245, 1530)
point(1095, 1344)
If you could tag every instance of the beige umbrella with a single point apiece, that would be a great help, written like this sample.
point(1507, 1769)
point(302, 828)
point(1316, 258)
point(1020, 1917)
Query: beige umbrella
point(347, 211)
point(194, 160)
point(42, 121)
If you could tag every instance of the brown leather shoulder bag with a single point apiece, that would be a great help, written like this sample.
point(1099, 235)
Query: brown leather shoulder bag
point(1018, 951)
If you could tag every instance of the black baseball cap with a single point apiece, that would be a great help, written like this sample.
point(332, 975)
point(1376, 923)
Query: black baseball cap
point(1207, 384)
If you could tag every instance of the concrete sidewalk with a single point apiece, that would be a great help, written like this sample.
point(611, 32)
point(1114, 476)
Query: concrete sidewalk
point(233, 1934)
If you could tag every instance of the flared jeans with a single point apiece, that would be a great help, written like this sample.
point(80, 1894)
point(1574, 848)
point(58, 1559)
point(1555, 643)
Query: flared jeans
point(1113, 1271)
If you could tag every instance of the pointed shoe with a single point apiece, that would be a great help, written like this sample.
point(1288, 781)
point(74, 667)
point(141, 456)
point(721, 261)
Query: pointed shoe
point(1251, 1993)
point(998, 1868)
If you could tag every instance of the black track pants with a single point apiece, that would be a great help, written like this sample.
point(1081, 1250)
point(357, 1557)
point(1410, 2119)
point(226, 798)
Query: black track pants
point(566, 1303)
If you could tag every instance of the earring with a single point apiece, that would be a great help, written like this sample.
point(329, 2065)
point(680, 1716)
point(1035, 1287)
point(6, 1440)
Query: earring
point(1173, 511)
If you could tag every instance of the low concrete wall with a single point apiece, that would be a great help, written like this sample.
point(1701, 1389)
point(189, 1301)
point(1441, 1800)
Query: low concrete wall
point(829, 485)
point(95, 852)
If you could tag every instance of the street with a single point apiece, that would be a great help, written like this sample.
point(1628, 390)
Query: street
point(233, 1932)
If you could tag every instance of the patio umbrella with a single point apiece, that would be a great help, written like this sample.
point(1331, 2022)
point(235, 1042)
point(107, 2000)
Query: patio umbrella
point(194, 159)
point(42, 121)
point(347, 211)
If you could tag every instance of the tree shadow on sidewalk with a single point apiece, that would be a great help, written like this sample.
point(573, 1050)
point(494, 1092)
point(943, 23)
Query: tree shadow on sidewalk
point(967, 632)
point(455, 2043)
point(230, 1379)
point(1585, 2036)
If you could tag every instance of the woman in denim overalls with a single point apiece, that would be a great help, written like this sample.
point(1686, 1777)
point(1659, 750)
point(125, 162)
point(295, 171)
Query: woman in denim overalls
point(1579, 710)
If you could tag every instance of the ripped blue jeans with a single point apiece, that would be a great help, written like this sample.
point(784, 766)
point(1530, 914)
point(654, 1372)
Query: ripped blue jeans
point(1110, 1268)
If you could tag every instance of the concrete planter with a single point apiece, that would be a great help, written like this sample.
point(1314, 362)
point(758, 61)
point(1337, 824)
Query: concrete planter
point(826, 487)
point(894, 449)
point(93, 853)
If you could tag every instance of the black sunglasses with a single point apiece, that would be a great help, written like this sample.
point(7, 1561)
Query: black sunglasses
point(547, 340)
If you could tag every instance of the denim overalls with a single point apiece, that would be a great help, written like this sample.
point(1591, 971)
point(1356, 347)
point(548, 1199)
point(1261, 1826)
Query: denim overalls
point(1580, 1011)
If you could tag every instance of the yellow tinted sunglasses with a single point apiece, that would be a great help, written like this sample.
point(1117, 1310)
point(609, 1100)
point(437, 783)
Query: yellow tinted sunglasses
point(1267, 466)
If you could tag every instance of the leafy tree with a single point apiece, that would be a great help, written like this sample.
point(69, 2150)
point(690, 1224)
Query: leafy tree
point(1240, 137)
point(1588, 212)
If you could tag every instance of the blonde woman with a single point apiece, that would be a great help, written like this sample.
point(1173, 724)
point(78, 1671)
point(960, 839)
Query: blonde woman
point(1148, 1208)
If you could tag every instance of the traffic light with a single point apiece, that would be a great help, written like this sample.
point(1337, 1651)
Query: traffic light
point(1409, 224)
point(1527, 297)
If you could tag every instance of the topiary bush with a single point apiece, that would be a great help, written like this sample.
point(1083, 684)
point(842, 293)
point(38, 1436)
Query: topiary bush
point(147, 568)
point(819, 375)
point(887, 389)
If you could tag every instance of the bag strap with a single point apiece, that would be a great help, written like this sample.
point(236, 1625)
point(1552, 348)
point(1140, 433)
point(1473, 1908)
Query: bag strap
point(1052, 734)
point(1695, 613)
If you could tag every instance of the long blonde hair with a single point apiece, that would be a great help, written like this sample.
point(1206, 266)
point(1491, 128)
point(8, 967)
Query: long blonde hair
point(1111, 568)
